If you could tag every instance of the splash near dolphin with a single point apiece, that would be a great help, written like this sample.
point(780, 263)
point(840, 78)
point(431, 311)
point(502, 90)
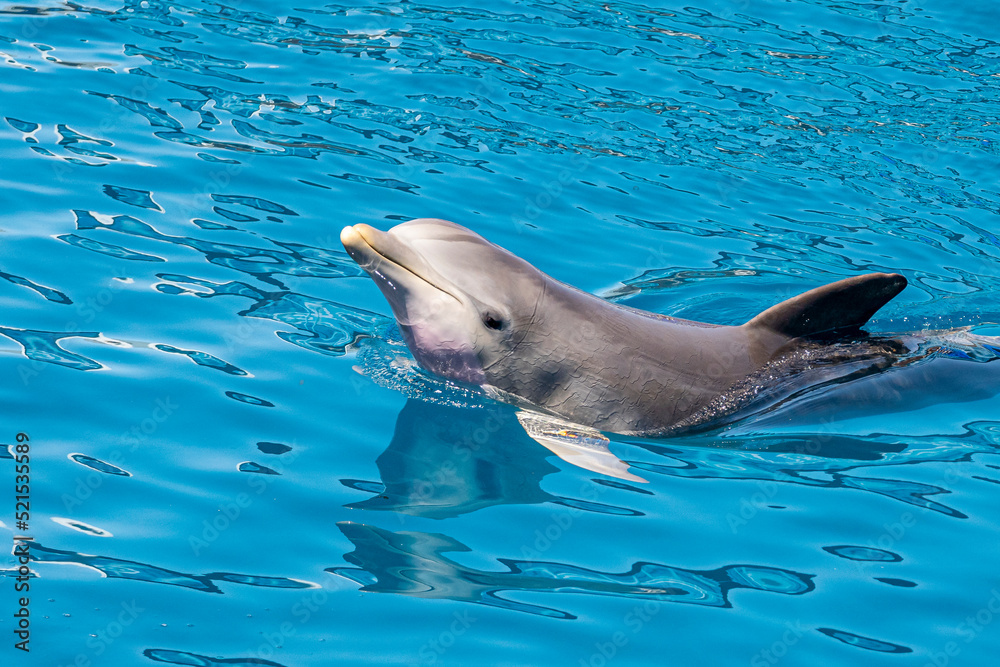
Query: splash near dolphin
point(474, 312)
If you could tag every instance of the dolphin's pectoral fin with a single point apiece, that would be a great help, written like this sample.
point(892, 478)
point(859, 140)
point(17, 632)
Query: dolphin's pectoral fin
point(839, 308)
point(581, 446)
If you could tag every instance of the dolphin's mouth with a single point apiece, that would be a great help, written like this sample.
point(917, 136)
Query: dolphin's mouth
point(373, 249)
point(428, 308)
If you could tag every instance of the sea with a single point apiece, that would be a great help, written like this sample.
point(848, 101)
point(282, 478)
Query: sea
point(216, 449)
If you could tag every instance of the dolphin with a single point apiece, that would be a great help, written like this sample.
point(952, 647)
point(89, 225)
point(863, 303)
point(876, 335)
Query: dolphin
point(473, 312)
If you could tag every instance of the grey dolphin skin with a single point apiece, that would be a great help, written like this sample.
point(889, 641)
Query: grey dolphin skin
point(473, 312)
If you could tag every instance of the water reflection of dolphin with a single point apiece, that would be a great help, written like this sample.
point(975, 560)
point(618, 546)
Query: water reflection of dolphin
point(444, 461)
point(411, 563)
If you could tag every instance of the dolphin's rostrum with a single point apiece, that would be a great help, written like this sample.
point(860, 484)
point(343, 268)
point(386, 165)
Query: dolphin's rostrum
point(472, 311)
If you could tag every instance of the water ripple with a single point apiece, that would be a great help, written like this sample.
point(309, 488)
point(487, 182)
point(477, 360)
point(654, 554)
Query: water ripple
point(171, 57)
point(203, 359)
point(328, 327)
point(185, 658)
point(250, 466)
point(81, 527)
point(157, 117)
point(262, 263)
point(44, 346)
point(116, 568)
point(410, 563)
point(273, 447)
point(869, 554)
point(866, 643)
point(109, 249)
point(132, 197)
point(99, 465)
point(48, 293)
point(258, 203)
point(249, 400)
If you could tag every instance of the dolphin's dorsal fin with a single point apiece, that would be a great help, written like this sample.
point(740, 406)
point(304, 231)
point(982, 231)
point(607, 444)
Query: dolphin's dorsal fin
point(835, 309)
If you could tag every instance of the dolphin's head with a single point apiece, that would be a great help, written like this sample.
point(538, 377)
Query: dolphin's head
point(462, 303)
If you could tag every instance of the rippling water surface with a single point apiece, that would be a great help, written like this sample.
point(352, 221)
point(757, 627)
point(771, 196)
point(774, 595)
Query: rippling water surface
point(233, 458)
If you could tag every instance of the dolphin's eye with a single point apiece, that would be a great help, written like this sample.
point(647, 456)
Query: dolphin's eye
point(492, 321)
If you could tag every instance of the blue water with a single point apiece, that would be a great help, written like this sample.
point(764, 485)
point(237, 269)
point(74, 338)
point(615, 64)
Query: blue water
point(233, 460)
